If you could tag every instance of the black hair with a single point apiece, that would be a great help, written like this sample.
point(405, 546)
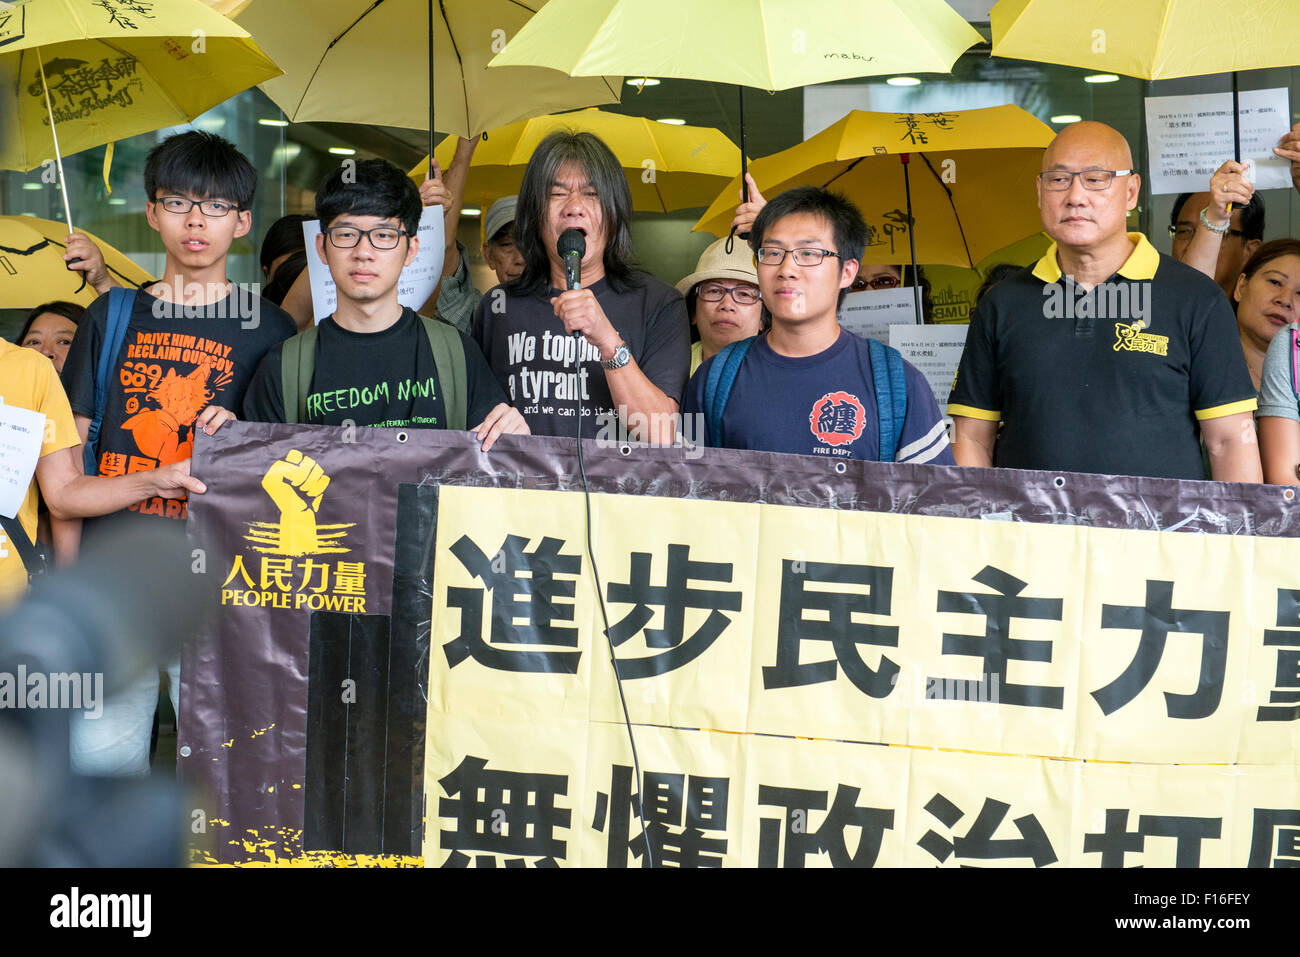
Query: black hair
point(285, 276)
point(603, 170)
point(994, 276)
point(284, 236)
point(68, 310)
point(847, 226)
point(373, 187)
point(203, 165)
point(1252, 215)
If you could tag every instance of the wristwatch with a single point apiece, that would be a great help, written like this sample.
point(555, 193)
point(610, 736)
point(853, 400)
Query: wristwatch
point(621, 357)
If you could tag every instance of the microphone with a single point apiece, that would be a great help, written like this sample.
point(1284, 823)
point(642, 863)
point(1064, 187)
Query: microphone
point(572, 246)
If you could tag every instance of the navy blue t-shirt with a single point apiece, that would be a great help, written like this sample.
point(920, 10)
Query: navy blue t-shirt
point(820, 405)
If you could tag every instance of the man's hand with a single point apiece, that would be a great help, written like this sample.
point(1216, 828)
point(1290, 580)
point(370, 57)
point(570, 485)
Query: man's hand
point(746, 213)
point(91, 265)
point(174, 480)
point(1288, 147)
point(433, 192)
point(1228, 185)
point(581, 313)
point(502, 420)
point(213, 418)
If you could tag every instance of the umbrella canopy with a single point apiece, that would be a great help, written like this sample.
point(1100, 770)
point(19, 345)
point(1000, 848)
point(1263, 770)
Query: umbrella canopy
point(1152, 40)
point(668, 167)
point(32, 270)
point(361, 61)
point(972, 180)
point(767, 44)
point(114, 69)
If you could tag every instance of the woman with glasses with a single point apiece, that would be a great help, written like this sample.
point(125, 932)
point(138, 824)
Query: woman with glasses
point(722, 299)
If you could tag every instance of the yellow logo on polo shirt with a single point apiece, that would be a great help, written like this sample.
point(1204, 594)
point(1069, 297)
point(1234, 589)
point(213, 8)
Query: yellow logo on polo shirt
point(1130, 338)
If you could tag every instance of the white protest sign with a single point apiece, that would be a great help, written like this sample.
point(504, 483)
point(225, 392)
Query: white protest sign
point(871, 312)
point(935, 351)
point(1189, 137)
point(414, 286)
point(22, 433)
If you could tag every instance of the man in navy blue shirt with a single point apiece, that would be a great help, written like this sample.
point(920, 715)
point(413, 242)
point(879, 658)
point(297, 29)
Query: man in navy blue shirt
point(807, 386)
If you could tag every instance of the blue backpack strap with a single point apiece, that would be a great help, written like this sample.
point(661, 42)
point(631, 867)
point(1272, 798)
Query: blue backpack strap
point(120, 303)
point(890, 380)
point(1295, 361)
point(717, 387)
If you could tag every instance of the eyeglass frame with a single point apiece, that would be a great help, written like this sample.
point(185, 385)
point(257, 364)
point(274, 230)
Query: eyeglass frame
point(1072, 174)
point(162, 201)
point(328, 233)
point(890, 282)
point(1173, 231)
point(788, 252)
point(726, 291)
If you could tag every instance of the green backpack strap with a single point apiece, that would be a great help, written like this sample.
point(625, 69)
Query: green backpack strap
point(297, 363)
point(449, 360)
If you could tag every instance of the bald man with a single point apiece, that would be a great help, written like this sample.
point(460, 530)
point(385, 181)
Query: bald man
point(1105, 356)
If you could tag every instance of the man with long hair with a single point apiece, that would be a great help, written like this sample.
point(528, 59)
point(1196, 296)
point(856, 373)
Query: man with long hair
point(617, 346)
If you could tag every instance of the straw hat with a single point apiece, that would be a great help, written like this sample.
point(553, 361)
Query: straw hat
point(716, 263)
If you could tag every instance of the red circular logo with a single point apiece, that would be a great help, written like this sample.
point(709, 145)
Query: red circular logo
point(837, 418)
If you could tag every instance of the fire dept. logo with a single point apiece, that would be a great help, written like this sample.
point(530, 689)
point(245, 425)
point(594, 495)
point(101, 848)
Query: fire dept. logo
point(837, 418)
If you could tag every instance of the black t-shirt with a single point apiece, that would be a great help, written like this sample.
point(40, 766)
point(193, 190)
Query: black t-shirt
point(175, 361)
point(1113, 380)
point(539, 366)
point(386, 379)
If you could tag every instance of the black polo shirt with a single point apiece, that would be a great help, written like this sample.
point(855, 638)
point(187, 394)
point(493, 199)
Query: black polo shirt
point(1113, 380)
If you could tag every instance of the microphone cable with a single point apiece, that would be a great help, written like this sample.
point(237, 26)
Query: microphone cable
point(580, 341)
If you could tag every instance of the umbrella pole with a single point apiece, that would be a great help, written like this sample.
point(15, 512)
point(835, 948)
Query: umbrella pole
point(1236, 121)
point(58, 157)
point(744, 170)
point(911, 237)
point(430, 87)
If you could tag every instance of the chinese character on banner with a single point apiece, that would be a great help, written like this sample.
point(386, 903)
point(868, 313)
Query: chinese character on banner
point(1275, 838)
point(502, 813)
point(1117, 840)
point(1286, 685)
point(672, 598)
point(996, 646)
point(794, 828)
point(978, 842)
point(685, 819)
point(845, 635)
point(534, 599)
point(1155, 620)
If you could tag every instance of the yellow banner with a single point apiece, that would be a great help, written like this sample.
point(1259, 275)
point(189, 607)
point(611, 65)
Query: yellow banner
point(1040, 646)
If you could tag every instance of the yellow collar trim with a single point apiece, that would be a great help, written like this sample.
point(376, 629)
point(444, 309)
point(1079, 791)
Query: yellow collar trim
point(1141, 263)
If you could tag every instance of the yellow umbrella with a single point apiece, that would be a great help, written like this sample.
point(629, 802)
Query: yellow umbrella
point(32, 269)
point(768, 44)
point(108, 69)
point(361, 61)
point(1149, 39)
point(668, 167)
point(971, 180)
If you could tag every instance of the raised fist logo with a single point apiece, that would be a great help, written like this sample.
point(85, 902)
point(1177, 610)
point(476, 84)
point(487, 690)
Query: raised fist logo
point(296, 484)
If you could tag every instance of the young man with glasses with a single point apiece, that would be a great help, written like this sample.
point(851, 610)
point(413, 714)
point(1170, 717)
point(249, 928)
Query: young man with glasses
point(375, 362)
point(176, 351)
point(1105, 356)
point(806, 386)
